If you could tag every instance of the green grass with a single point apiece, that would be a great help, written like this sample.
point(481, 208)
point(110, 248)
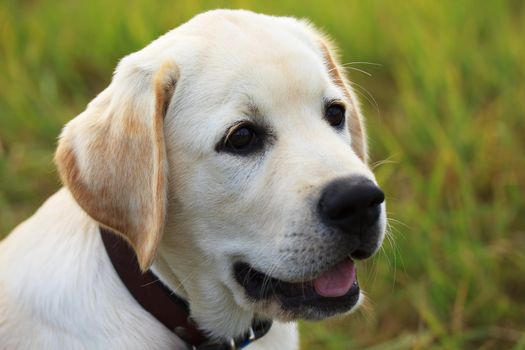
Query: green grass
point(449, 121)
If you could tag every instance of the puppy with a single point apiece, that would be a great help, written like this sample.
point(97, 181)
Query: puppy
point(230, 155)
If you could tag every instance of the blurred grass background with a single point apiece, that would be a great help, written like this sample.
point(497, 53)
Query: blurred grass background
point(445, 104)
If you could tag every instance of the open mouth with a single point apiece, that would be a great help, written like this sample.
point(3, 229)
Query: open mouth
point(333, 291)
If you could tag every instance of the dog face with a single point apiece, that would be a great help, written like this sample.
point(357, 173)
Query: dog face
point(233, 148)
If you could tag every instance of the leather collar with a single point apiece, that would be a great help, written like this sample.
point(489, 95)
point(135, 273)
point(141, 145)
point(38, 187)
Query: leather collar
point(163, 304)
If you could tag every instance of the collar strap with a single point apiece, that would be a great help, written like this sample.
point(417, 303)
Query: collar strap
point(163, 304)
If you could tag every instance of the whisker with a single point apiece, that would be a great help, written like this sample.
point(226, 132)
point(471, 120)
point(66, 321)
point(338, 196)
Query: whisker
point(180, 283)
point(379, 163)
point(362, 62)
point(359, 70)
point(366, 94)
point(396, 221)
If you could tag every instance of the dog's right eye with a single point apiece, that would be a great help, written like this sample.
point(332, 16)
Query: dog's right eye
point(241, 139)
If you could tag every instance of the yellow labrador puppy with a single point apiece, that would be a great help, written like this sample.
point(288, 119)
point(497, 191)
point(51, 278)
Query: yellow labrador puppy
point(230, 155)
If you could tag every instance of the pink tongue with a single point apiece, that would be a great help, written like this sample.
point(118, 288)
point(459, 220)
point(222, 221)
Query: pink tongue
point(337, 281)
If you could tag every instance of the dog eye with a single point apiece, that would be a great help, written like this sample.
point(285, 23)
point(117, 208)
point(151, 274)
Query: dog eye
point(335, 115)
point(242, 139)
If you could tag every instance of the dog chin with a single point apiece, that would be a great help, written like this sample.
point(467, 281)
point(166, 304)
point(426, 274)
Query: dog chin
point(275, 310)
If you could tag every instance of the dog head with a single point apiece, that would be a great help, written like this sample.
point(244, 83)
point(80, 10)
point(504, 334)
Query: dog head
point(231, 154)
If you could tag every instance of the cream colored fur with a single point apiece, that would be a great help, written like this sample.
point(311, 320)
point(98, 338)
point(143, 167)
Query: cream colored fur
point(141, 160)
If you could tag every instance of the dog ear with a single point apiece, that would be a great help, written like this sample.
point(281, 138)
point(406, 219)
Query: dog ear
point(355, 124)
point(112, 156)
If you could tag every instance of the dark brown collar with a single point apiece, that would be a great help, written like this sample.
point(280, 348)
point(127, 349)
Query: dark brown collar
point(169, 309)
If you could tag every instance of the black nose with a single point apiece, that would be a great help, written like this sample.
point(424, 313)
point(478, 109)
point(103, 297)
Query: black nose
point(351, 204)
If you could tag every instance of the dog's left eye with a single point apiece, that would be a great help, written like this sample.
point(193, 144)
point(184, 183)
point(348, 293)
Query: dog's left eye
point(335, 115)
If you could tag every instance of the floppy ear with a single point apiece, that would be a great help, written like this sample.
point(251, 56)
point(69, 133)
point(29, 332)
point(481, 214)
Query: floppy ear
point(112, 156)
point(356, 123)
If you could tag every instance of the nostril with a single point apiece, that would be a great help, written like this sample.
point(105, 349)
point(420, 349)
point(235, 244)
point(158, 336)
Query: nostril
point(342, 212)
point(351, 202)
point(377, 197)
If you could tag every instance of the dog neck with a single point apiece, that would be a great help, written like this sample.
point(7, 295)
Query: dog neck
point(162, 303)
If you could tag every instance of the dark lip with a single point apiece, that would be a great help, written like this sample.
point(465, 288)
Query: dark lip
point(291, 295)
